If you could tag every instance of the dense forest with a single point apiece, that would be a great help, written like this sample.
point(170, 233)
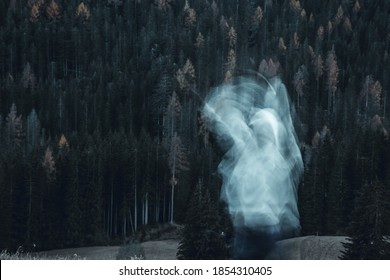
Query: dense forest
point(101, 131)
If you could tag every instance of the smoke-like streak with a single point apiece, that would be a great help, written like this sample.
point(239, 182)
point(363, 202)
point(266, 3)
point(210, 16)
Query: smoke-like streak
point(262, 165)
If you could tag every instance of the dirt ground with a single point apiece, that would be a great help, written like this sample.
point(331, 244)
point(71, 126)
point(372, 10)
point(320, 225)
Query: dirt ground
point(308, 248)
point(300, 248)
point(88, 253)
point(160, 250)
point(153, 250)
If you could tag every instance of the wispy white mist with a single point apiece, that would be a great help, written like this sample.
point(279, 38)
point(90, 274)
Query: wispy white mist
point(262, 165)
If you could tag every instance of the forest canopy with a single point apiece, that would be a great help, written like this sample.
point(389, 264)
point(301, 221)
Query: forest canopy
point(100, 124)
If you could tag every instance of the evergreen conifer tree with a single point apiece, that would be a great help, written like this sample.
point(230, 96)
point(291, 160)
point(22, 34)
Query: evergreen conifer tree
point(368, 228)
point(202, 235)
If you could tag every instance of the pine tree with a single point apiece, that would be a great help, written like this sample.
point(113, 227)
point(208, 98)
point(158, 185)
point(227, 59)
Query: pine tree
point(369, 228)
point(318, 68)
point(71, 198)
point(230, 64)
point(83, 12)
point(370, 95)
point(202, 235)
point(257, 17)
point(300, 80)
point(164, 4)
point(35, 12)
point(48, 164)
point(6, 205)
point(14, 128)
point(336, 193)
point(190, 19)
point(314, 193)
point(186, 75)
point(178, 162)
point(53, 11)
point(33, 130)
point(282, 46)
point(339, 16)
point(28, 77)
point(332, 78)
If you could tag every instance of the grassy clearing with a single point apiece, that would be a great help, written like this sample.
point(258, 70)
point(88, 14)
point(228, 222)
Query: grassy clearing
point(131, 251)
point(5, 255)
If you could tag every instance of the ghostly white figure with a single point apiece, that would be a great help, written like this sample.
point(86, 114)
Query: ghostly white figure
point(262, 165)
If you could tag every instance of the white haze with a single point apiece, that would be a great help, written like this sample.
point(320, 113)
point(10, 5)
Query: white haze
point(262, 165)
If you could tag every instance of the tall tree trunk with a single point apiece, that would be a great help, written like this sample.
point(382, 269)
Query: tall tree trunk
point(157, 203)
point(143, 212)
point(29, 211)
point(135, 192)
point(135, 208)
point(173, 183)
point(157, 208)
point(131, 221)
point(124, 226)
point(111, 209)
point(146, 208)
point(384, 104)
point(172, 199)
point(116, 222)
point(164, 206)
